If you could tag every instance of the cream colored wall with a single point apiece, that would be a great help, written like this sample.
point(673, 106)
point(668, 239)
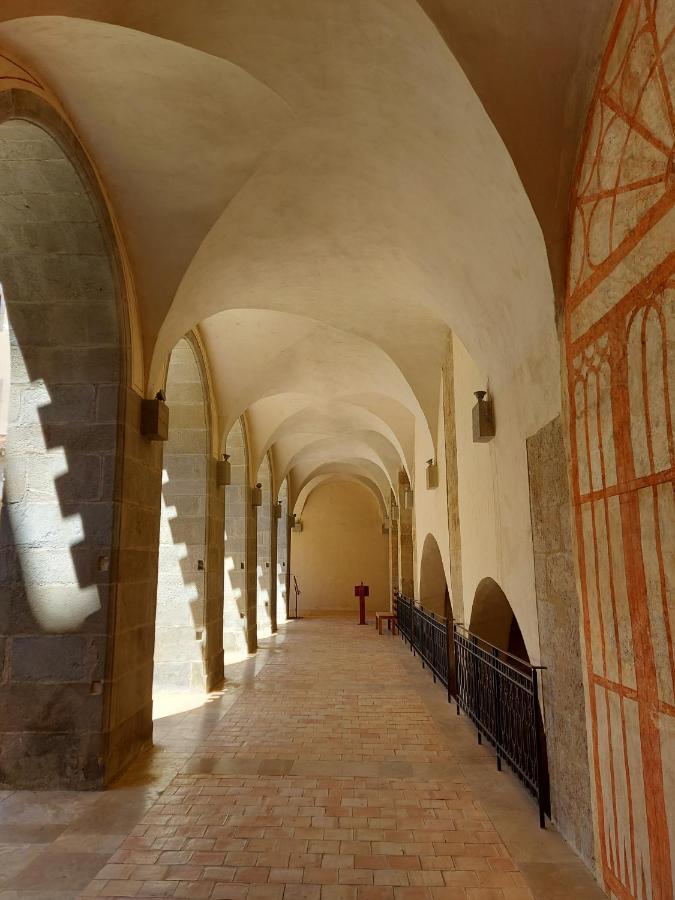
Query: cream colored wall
point(431, 508)
point(494, 499)
point(340, 545)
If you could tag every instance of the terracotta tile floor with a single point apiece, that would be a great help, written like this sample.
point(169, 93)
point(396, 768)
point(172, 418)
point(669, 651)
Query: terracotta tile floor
point(330, 768)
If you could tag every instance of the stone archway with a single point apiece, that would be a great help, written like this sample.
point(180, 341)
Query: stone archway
point(493, 620)
point(58, 530)
point(179, 662)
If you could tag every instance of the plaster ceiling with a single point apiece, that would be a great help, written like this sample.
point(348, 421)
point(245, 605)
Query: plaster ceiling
point(286, 180)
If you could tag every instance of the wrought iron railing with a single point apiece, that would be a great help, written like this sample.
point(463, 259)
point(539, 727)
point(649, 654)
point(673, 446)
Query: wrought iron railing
point(427, 635)
point(496, 690)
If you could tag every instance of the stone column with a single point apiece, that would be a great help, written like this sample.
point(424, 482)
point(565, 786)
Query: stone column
point(288, 565)
point(273, 565)
point(452, 485)
point(215, 579)
point(405, 539)
point(251, 572)
point(129, 671)
point(393, 556)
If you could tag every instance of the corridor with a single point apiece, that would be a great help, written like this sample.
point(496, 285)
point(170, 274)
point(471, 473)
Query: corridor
point(329, 768)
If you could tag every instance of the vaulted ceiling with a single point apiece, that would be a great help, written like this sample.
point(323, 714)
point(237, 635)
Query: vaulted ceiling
point(325, 188)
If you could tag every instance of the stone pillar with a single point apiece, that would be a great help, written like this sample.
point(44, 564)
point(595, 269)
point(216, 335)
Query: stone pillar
point(251, 572)
point(274, 531)
point(393, 556)
point(452, 485)
point(289, 579)
point(234, 616)
point(128, 688)
point(282, 558)
point(405, 539)
point(215, 579)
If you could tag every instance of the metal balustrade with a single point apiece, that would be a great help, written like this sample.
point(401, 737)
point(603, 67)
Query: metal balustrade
point(496, 690)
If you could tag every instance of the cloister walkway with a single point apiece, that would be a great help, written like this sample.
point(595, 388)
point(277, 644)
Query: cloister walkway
point(330, 768)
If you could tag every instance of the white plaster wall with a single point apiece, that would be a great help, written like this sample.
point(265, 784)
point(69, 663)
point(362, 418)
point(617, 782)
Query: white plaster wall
point(341, 544)
point(431, 508)
point(494, 506)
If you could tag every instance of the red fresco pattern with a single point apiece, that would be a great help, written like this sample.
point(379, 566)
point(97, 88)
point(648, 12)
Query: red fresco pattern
point(620, 343)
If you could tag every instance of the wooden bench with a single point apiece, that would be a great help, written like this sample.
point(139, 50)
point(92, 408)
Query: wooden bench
point(389, 618)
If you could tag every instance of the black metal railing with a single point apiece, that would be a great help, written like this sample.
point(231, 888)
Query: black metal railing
point(498, 691)
point(500, 694)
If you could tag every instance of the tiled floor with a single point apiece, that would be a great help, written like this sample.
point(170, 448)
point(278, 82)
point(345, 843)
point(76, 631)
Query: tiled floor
point(330, 768)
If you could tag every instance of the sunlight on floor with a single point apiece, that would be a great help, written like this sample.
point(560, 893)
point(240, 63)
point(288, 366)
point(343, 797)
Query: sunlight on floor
point(171, 703)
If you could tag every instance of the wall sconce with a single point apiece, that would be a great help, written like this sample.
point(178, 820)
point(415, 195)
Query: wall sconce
point(277, 509)
point(155, 418)
point(223, 471)
point(290, 520)
point(297, 525)
point(256, 495)
point(394, 512)
point(483, 419)
point(408, 499)
point(432, 475)
point(385, 525)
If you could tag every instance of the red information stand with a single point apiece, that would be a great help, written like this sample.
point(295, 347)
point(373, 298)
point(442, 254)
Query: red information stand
point(362, 591)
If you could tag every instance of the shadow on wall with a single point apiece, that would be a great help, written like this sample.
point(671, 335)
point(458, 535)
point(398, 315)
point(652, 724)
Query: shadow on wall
point(493, 620)
point(57, 509)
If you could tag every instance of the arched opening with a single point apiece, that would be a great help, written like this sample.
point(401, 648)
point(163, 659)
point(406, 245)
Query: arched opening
point(264, 551)
point(493, 620)
point(234, 613)
point(341, 544)
point(282, 554)
point(181, 589)
point(434, 593)
point(61, 365)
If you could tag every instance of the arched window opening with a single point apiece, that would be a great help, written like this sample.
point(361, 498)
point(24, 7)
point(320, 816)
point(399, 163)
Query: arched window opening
point(234, 613)
point(179, 624)
point(493, 620)
point(61, 363)
point(434, 593)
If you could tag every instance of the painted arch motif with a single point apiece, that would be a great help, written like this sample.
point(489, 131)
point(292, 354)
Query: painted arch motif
point(620, 337)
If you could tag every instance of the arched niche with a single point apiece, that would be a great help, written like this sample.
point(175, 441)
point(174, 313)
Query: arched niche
point(179, 661)
point(264, 550)
point(434, 594)
point(493, 619)
point(63, 361)
point(234, 613)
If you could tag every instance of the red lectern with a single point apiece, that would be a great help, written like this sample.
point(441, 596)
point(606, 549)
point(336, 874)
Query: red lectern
point(361, 591)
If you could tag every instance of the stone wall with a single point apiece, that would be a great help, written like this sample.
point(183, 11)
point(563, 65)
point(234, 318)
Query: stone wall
point(58, 521)
point(559, 621)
